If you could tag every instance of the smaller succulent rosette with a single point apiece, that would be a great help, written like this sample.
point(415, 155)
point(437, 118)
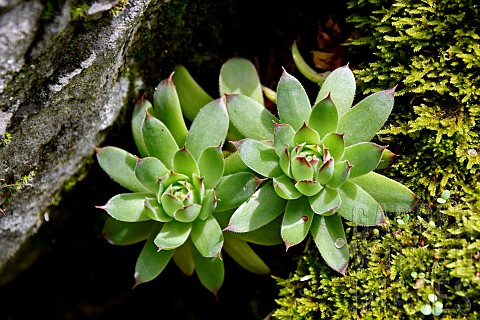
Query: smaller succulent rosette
point(320, 163)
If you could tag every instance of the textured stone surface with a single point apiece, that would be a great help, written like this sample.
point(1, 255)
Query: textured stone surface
point(62, 84)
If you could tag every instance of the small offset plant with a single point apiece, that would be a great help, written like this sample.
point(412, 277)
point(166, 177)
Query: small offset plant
point(183, 191)
point(319, 163)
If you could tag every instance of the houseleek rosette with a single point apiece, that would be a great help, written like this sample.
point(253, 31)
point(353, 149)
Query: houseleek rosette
point(183, 191)
point(319, 161)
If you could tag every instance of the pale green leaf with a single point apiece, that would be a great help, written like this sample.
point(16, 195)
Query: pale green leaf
point(211, 165)
point(363, 157)
point(340, 86)
point(207, 237)
point(293, 104)
point(183, 258)
point(172, 235)
point(259, 157)
point(238, 75)
point(128, 207)
point(325, 202)
point(244, 255)
point(268, 235)
point(232, 190)
point(296, 222)
point(184, 163)
point(139, 113)
point(324, 117)
point(149, 171)
point(159, 141)
point(210, 271)
point(126, 233)
point(283, 137)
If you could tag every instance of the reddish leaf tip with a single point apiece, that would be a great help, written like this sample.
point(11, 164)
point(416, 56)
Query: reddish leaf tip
point(101, 207)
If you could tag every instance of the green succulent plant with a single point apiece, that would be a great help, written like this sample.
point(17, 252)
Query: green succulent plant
point(319, 163)
point(183, 192)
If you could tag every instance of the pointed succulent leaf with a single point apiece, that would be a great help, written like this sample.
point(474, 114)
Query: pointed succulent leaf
point(270, 94)
point(139, 113)
point(184, 162)
point(301, 168)
point(305, 69)
point(191, 96)
point(149, 171)
point(210, 271)
point(329, 237)
point(244, 255)
point(172, 235)
point(285, 188)
point(335, 144)
point(362, 122)
point(387, 159)
point(284, 162)
point(306, 135)
point(150, 262)
point(293, 104)
point(127, 207)
point(363, 157)
point(167, 109)
point(250, 118)
point(267, 235)
point(325, 202)
point(239, 75)
point(159, 141)
point(259, 157)
point(308, 187)
point(296, 221)
point(209, 128)
point(283, 137)
point(170, 178)
point(183, 258)
point(207, 237)
point(340, 86)
point(199, 187)
point(341, 172)
point(188, 213)
point(324, 117)
point(261, 208)
point(120, 166)
point(126, 233)
point(358, 206)
point(325, 172)
point(155, 211)
point(234, 164)
point(391, 195)
point(233, 190)
point(209, 204)
point(211, 165)
point(170, 203)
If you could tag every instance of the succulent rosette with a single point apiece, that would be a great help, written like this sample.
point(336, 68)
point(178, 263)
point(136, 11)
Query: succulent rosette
point(183, 191)
point(319, 161)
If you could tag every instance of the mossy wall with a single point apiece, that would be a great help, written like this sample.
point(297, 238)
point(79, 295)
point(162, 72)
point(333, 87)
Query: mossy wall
point(430, 50)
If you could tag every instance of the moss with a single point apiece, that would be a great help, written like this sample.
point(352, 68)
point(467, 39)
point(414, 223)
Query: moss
point(6, 140)
point(9, 189)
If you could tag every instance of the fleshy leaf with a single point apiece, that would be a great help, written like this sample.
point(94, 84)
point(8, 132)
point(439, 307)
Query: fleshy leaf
point(306, 135)
point(305, 69)
point(137, 119)
point(127, 207)
point(329, 236)
point(301, 168)
point(267, 235)
point(325, 172)
point(120, 166)
point(149, 171)
point(285, 188)
point(358, 206)
point(340, 86)
point(293, 104)
point(284, 162)
point(210, 271)
point(387, 159)
point(283, 137)
point(167, 109)
point(188, 213)
point(362, 122)
point(211, 166)
point(192, 97)
point(259, 157)
point(207, 237)
point(297, 219)
point(308, 187)
point(159, 141)
point(234, 164)
point(250, 118)
point(324, 117)
point(183, 258)
point(325, 202)
point(391, 195)
point(364, 157)
point(170, 203)
point(150, 262)
point(239, 75)
point(335, 144)
point(235, 189)
point(155, 210)
point(183, 162)
point(209, 128)
point(244, 255)
point(209, 204)
point(341, 172)
point(126, 233)
point(261, 208)
point(172, 235)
